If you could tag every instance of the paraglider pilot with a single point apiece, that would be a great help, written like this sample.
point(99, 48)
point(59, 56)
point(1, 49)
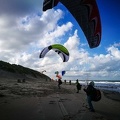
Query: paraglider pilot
point(89, 92)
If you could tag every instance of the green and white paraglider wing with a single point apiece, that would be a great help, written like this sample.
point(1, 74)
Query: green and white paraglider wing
point(59, 49)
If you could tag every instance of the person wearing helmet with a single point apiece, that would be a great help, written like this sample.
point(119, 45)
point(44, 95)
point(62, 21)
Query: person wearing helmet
point(89, 92)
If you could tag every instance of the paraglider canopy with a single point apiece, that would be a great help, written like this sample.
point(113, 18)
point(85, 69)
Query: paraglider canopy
point(43, 71)
point(86, 14)
point(63, 72)
point(56, 72)
point(58, 48)
point(48, 4)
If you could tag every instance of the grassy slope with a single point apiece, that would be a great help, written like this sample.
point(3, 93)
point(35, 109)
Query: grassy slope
point(12, 70)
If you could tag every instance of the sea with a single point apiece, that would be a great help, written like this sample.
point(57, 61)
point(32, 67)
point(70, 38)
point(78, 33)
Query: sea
point(103, 85)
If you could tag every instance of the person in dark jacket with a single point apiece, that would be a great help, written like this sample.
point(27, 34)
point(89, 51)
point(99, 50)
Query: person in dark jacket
point(59, 83)
point(90, 91)
point(78, 86)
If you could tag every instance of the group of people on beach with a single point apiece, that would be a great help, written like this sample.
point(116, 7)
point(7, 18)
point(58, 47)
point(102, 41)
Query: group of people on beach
point(89, 92)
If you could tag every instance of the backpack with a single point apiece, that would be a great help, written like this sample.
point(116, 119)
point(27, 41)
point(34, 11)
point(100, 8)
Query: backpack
point(96, 95)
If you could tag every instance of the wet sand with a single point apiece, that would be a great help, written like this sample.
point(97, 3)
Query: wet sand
point(42, 100)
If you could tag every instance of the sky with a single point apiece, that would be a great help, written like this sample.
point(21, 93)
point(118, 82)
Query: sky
point(25, 30)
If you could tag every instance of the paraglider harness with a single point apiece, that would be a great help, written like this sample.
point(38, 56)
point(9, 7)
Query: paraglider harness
point(93, 92)
point(96, 96)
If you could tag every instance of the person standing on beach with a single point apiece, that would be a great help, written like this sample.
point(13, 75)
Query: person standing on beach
point(59, 80)
point(70, 82)
point(65, 81)
point(59, 83)
point(90, 92)
point(78, 86)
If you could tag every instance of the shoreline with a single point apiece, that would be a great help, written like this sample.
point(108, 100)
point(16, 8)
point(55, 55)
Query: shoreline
point(112, 95)
point(44, 89)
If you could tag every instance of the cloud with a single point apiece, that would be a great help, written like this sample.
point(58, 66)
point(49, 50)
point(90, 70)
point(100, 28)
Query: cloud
point(105, 66)
point(22, 38)
point(114, 51)
point(116, 44)
point(21, 35)
point(19, 7)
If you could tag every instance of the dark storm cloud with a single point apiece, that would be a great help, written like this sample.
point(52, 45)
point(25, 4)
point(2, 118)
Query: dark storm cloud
point(19, 6)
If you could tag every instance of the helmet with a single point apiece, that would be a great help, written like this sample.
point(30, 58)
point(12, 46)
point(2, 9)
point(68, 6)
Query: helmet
point(91, 83)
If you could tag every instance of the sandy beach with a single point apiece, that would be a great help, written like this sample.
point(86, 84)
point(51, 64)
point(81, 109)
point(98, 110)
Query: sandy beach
point(42, 100)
